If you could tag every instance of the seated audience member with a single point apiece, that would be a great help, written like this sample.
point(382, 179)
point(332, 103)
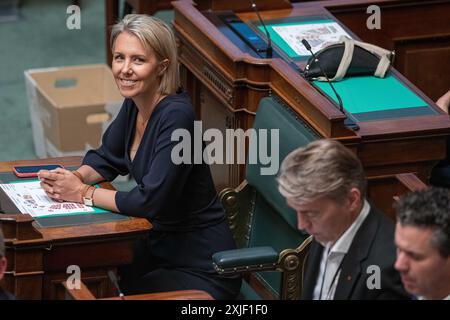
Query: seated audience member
point(179, 199)
point(3, 263)
point(440, 175)
point(422, 237)
point(353, 253)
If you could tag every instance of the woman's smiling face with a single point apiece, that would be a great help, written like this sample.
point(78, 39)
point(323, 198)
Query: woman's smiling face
point(135, 68)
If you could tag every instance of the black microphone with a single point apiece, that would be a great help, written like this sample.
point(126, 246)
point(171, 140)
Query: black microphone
point(269, 40)
point(348, 122)
point(307, 46)
point(112, 277)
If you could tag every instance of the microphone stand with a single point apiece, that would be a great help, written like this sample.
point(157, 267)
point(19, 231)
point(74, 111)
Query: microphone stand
point(113, 279)
point(349, 122)
point(269, 49)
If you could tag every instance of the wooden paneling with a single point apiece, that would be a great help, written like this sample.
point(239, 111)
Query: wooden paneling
point(388, 189)
point(427, 63)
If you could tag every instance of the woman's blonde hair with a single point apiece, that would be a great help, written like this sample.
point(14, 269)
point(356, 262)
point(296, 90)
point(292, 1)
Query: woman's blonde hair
point(322, 168)
point(157, 36)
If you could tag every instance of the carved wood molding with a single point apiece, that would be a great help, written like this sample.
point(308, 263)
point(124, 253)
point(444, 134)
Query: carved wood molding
point(221, 85)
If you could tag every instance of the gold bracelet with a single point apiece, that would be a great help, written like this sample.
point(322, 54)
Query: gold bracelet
point(78, 175)
point(88, 201)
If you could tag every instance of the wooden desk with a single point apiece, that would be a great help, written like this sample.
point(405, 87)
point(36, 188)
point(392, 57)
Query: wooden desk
point(172, 295)
point(38, 257)
point(83, 293)
point(226, 81)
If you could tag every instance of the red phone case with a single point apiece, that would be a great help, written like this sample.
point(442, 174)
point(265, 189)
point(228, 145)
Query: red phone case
point(29, 174)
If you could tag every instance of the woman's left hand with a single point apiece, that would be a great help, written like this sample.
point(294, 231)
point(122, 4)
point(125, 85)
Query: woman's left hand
point(61, 184)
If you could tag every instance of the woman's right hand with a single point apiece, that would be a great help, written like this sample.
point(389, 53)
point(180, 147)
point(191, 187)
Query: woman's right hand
point(62, 184)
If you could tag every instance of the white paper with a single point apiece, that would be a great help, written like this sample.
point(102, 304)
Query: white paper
point(319, 35)
point(30, 198)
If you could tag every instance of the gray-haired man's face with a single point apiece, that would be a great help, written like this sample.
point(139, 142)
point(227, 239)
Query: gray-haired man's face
point(325, 218)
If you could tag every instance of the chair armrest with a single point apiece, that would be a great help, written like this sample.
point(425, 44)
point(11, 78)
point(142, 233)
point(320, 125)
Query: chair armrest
point(245, 259)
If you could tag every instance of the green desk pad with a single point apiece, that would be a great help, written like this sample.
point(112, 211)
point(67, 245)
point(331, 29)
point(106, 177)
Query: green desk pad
point(73, 219)
point(371, 98)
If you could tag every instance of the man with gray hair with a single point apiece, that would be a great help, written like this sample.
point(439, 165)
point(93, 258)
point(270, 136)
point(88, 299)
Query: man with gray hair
point(422, 236)
point(353, 253)
point(3, 263)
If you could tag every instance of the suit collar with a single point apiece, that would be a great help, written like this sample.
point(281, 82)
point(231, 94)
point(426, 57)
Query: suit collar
point(343, 243)
point(351, 264)
point(358, 252)
point(311, 264)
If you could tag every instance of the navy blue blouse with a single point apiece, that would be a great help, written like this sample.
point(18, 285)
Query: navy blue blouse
point(189, 224)
point(173, 197)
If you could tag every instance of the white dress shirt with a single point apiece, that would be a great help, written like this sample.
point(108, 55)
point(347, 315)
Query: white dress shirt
point(332, 256)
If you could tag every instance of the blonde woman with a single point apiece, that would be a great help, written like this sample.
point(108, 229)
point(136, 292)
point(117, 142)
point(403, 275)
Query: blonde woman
point(180, 201)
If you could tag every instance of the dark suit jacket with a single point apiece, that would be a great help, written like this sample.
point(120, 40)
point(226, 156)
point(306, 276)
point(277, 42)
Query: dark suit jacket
point(373, 244)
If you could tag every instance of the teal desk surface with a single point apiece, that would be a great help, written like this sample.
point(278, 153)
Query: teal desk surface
point(370, 98)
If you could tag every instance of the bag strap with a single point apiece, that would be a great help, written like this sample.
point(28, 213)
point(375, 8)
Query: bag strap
point(383, 54)
point(345, 60)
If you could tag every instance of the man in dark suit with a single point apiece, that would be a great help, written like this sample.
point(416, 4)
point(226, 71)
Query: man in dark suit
point(352, 255)
point(3, 263)
point(422, 237)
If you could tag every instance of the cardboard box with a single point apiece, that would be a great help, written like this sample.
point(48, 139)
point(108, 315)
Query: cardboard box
point(70, 108)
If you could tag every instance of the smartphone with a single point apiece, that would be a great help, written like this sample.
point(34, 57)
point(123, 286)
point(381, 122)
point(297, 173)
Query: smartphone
point(31, 171)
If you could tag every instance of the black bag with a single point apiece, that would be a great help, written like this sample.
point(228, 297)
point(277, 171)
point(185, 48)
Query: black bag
point(349, 58)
